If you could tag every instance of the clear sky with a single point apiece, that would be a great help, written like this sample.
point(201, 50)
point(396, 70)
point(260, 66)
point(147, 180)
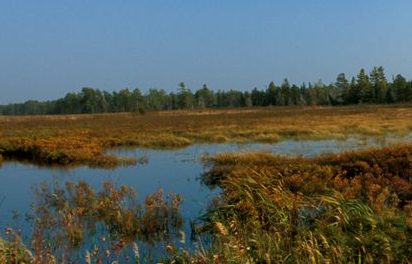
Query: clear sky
point(51, 47)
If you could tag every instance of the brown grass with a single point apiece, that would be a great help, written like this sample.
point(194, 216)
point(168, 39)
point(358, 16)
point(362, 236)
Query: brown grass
point(82, 139)
point(353, 207)
point(380, 177)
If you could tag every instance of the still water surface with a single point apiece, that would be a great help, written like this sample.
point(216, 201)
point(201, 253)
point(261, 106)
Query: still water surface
point(175, 171)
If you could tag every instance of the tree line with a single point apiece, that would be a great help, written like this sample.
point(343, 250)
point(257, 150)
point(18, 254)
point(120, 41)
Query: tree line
point(372, 88)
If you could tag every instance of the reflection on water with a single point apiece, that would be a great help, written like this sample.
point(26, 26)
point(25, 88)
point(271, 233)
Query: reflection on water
point(77, 217)
point(176, 171)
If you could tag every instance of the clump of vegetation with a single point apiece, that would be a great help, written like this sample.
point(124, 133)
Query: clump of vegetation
point(12, 249)
point(68, 220)
point(60, 151)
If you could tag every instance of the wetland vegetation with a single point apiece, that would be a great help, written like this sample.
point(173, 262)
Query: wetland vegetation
point(351, 207)
point(84, 139)
point(205, 132)
point(66, 218)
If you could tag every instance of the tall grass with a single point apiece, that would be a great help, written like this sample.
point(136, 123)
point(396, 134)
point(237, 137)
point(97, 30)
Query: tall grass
point(379, 177)
point(12, 249)
point(353, 207)
point(76, 224)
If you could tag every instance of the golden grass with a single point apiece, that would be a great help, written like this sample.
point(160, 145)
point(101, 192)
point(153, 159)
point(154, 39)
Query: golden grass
point(70, 139)
point(353, 207)
point(380, 177)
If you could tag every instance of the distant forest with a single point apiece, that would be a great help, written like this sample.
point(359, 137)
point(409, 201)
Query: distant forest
point(372, 88)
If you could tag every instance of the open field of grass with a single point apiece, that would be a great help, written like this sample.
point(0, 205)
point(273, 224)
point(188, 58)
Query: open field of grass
point(83, 139)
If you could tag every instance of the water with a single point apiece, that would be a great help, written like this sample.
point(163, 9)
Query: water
point(175, 171)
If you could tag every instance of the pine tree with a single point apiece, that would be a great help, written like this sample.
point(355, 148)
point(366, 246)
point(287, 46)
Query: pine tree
point(342, 85)
point(379, 84)
point(285, 92)
point(185, 97)
point(365, 90)
point(401, 89)
point(271, 94)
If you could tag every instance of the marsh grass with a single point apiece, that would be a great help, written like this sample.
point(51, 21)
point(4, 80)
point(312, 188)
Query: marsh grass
point(65, 218)
point(380, 177)
point(84, 139)
point(353, 207)
point(75, 223)
point(12, 249)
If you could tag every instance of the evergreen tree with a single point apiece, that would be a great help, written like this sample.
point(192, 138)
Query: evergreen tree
point(185, 97)
point(258, 97)
point(157, 99)
point(295, 97)
point(401, 89)
point(138, 102)
point(205, 97)
point(285, 92)
point(379, 84)
point(365, 89)
point(342, 85)
point(248, 99)
point(372, 88)
point(353, 97)
point(306, 94)
point(271, 94)
point(321, 94)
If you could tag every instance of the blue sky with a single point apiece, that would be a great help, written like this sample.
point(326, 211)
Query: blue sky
point(49, 48)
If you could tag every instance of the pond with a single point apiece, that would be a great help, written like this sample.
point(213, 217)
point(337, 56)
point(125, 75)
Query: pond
point(176, 171)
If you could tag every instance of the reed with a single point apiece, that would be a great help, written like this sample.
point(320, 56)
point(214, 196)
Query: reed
point(75, 223)
point(353, 207)
point(12, 249)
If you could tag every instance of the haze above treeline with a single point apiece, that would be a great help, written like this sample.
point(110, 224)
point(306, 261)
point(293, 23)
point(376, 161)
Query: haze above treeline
point(365, 88)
